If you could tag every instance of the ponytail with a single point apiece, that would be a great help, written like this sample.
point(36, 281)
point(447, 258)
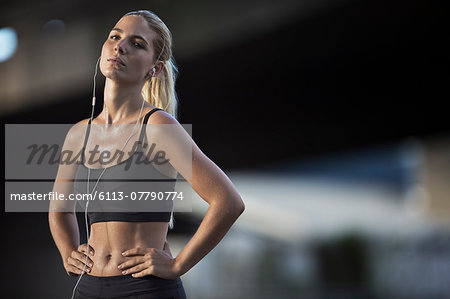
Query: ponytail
point(161, 93)
point(161, 90)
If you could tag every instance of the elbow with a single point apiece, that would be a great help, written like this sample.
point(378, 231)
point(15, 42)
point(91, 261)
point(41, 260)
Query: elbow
point(240, 207)
point(232, 206)
point(52, 219)
point(53, 216)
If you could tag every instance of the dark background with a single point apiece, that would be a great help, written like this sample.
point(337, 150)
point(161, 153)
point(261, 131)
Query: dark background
point(361, 73)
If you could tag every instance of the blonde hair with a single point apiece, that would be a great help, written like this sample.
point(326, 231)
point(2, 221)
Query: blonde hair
point(162, 92)
point(162, 88)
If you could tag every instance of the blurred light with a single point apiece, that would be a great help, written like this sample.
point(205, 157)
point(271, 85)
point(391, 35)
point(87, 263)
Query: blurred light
point(8, 43)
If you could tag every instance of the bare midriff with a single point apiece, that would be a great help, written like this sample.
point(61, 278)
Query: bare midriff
point(110, 239)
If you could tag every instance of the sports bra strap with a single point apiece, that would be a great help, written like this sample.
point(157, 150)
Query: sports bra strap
point(144, 126)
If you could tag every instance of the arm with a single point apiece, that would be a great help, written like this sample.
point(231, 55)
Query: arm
point(225, 206)
point(64, 230)
point(208, 180)
point(62, 218)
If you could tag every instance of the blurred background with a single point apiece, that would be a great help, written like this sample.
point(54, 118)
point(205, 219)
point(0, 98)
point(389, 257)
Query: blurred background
point(328, 116)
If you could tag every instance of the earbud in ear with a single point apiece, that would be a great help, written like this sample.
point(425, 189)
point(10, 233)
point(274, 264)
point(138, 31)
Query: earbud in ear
point(152, 73)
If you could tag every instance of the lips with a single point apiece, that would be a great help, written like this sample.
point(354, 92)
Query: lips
point(116, 59)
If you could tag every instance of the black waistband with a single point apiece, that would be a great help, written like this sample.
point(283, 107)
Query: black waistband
point(124, 285)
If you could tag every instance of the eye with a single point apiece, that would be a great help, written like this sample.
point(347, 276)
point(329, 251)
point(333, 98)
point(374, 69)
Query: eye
point(114, 37)
point(138, 45)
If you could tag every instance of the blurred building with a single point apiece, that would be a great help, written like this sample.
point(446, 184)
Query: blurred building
point(362, 224)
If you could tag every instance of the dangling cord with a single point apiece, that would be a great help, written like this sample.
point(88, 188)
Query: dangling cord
point(101, 174)
point(89, 169)
point(87, 204)
point(93, 90)
point(95, 186)
point(126, 142)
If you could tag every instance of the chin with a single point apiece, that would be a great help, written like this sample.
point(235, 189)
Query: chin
point(119, 77)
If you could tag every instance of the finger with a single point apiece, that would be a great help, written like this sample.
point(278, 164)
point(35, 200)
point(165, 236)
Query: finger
point(131, 262)
point(137, 269)
point(145, 272)
point(83, 248)
point(136, 251)
point(71, 269)
point(79, 265)
point(82, 257)
point(76, 263)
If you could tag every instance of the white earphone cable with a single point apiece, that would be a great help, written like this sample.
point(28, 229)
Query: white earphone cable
point(101, 174)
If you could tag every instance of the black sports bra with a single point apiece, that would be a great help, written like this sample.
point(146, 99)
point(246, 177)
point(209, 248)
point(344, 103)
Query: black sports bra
point(127, 188)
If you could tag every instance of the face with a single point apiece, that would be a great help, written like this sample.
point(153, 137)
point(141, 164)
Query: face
point(127, 54)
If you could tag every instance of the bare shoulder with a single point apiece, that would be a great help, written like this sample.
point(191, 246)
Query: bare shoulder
point(75, 135)
point(83, 122)
point(164, 126)
point(172, 141)
point(162, 117)
point(78, 128)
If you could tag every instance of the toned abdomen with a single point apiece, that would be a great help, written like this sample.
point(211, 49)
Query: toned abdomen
point(110, 239)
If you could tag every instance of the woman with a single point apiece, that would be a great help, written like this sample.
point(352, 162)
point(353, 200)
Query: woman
point(129, 256)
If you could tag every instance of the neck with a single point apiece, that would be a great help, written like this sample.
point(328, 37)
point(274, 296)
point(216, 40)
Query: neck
point(121, 102)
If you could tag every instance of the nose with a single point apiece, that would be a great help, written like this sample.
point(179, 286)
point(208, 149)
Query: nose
point(119, 47)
